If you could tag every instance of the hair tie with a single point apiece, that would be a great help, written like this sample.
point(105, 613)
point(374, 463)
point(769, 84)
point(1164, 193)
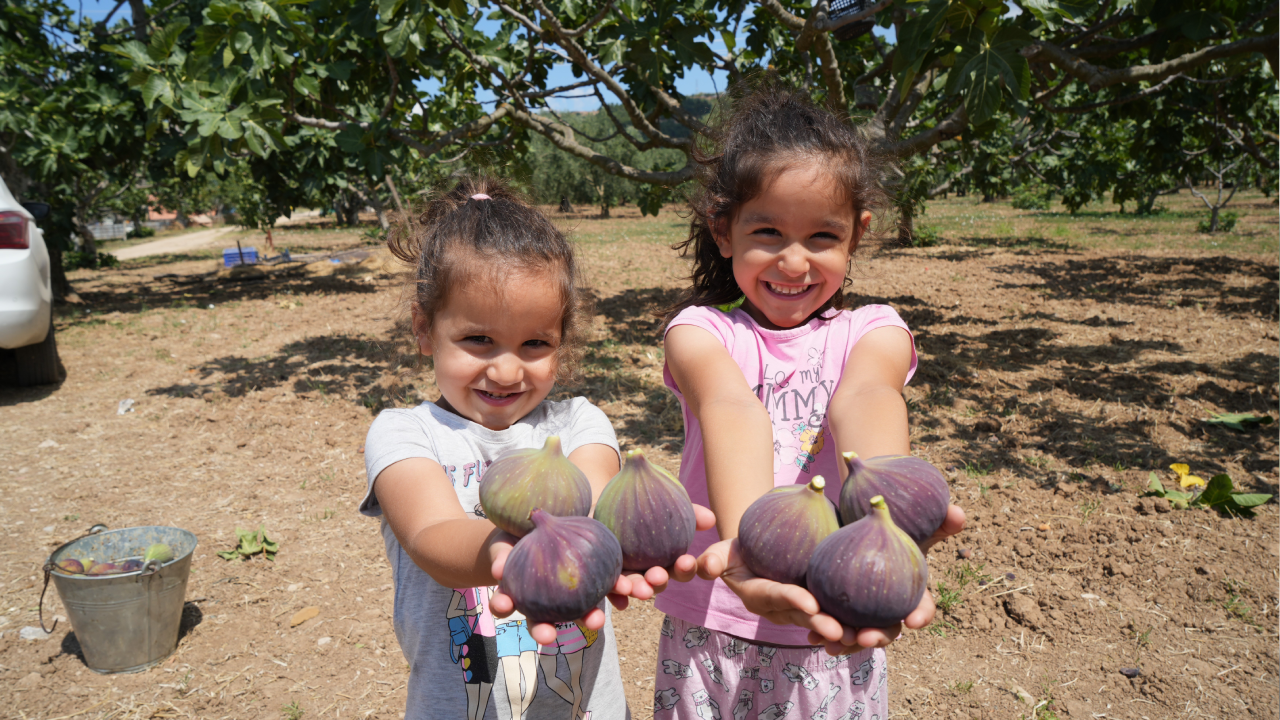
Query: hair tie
point(480, 196)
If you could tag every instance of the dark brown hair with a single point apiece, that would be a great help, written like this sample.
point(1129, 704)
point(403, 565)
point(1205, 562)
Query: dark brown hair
point(767, 128)
point(454, 237)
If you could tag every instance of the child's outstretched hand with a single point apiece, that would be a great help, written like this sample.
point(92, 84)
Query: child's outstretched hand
point(640, 587)
point(793, 605)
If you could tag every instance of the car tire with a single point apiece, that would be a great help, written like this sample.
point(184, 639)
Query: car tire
point(39, 364)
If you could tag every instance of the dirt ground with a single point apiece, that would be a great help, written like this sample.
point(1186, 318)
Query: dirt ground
point(1051, 382)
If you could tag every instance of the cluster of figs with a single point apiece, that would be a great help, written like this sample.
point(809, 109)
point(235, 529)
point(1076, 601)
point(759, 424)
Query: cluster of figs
point(157, 554)
point(564, 562)
point(867, 571)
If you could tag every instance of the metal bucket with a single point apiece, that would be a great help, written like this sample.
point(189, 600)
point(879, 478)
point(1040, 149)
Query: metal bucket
point(127, 622)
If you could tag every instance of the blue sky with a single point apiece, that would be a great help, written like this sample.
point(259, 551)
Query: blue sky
point(694, 82)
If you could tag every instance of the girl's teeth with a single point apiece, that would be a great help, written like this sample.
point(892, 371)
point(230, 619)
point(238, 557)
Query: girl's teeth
point(787, 290)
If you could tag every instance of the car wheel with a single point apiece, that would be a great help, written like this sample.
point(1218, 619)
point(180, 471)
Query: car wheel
point(39, 364)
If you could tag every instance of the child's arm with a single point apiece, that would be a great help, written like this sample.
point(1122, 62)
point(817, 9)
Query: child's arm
point(737, 440)
point(737, 435)
point(868, 416)
point(454, 548)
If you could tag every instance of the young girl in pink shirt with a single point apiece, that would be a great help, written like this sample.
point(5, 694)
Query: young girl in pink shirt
point(776, 377)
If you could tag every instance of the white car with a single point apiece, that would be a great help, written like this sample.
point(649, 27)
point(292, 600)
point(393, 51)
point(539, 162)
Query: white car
point(26, 293)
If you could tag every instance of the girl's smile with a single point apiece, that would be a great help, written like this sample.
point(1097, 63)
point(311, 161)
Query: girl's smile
point(790, 246)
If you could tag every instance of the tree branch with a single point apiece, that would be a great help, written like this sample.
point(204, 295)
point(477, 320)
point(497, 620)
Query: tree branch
point(945, 130)
point(608, 6)
point(1078, 109)
point(1097, 77)
point(562, 136)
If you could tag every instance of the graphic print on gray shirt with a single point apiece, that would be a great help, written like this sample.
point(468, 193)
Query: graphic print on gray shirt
point(463, 662)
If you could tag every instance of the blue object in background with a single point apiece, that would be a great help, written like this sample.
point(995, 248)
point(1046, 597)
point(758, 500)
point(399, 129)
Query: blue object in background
point(231, 257)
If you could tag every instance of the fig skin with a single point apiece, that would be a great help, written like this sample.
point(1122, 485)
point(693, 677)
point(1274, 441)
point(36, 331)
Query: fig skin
point(132, 565)
point(869, 574)
point(562, 569)
point(158, 553)
point(649, 512)
point(104, 569)
point(915, 491)
point(780, 530)
point(522, 480)
point(70, 566)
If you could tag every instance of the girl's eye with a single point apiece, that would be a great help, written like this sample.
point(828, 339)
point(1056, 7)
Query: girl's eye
point(536, 343)
point(480, 339)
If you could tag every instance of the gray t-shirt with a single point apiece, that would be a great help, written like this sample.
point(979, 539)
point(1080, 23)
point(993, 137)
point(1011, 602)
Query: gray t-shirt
point(463, 662)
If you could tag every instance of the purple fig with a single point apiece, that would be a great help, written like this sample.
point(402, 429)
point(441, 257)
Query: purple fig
point(869, 573)
point(780, 530)
point(131, 565)
point(107, 568)
point(561, 569)
point(649, 512)
point(522, 480)
point(70, 566)
point(913, 489)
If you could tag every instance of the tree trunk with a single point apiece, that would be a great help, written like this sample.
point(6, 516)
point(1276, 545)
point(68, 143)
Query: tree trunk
point(906, 226)
point(1213, 219)
point(61, 286)
point(604, 211)
point(565, 207)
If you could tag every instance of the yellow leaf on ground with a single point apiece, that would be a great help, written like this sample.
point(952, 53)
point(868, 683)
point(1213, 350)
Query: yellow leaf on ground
point(303, 615)
point(1189, 480)
point(1180, 468)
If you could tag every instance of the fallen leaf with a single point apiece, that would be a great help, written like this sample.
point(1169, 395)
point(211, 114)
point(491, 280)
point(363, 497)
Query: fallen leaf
point(303, 615)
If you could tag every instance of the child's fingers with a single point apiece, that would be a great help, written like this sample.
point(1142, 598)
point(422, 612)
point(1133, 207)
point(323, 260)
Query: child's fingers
point(622, 586)
point(923, 614)
point(684, 569)
point(951, 525)
point(501, 605)
point(703, 517)
point(499, 549)
point(877, 637)
point(641, 588)
point(543, 633)
point(619, 602)
point(714, 560)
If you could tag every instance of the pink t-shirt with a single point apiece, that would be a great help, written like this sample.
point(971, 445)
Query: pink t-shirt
point(794, 372)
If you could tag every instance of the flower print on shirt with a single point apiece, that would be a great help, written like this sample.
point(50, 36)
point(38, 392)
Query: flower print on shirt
point(786, 448)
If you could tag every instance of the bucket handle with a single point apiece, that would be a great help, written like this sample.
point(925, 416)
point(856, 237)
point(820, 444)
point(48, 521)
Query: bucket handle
point(48, 571)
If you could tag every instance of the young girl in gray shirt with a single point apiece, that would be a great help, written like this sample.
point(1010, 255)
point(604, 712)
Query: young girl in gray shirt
point(498, 308)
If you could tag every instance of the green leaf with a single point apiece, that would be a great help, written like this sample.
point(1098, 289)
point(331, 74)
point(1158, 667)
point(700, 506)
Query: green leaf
point(1238, 421)
point(242, 42)
point(1155, 485)
point(397, 38)
point(162, 42)
point(1248, 500)
point(307, 85)
point(387, 9)
point(157, 87)
point(1216, 492)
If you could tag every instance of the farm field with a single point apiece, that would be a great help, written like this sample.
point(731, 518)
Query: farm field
point(1062, 360)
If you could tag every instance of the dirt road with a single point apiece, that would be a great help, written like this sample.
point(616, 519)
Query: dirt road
point(177, 244)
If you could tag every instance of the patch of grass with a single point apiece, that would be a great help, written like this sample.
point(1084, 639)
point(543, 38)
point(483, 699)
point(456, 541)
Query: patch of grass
point(292, 711)
point(967, 574)
point(978, 469)
point(1039, 463)
point(940, 628)
point(1234, 604)
point(948, 598)
point(961, 687)
point(1088, 508)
